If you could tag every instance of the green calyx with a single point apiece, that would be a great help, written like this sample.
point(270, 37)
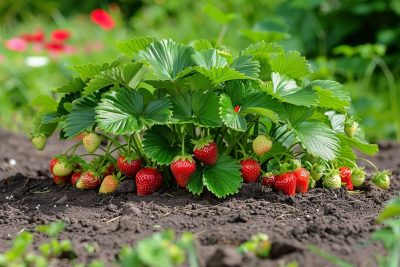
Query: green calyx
point(200, 143)
point(183, 158)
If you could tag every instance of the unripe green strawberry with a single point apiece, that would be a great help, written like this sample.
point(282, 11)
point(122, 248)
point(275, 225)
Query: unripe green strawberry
point(382, 179)
point(261, 145)
point(350, 128)
point(332, 180)
point(317, 172)
point(62, 168)
point(39, 141)
point(358, 177)
point(91, 142)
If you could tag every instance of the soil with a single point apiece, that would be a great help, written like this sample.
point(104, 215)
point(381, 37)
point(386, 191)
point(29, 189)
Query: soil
point(336, 221)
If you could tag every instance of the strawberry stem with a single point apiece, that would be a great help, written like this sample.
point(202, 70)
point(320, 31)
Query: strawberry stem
point(73, 148)
point(183, 145)
point(370, 163)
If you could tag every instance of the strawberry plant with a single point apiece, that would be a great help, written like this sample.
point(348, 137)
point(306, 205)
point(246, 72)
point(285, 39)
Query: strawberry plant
point(210, 116)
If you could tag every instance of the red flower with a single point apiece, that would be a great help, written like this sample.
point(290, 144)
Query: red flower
point(36, 37)
point(60, 35)
point(55, 48)
point(103, 19)
point(16, 44)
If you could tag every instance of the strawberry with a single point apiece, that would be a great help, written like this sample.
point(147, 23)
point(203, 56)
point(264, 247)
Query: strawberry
point(182, 168)
point(236, 109)
point(91, 142)
point(382, 179)
point(109, 184)
point(286, 183)
point(350, 128)
point(148, 180)
point(75, 177)
point(88, 180)
point(302, 180)
point(317, 172)
point(39, 141)
point(53, 162)
point(332, 180)
point(250, 169)
point(268, 180)
point(345, 175)
point(62, 168)
point(61, 179)
point(206, 151)
point(129, 166)
point(261, 145)
point(358, 177)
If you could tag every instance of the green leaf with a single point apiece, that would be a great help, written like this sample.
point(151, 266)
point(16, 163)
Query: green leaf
point(123, 111)
point(331, 94)
point(358, 143)
point(167, 58)
point(391, 210)
point(263, 112)
point(82, 116)
point(337, 121)
point(40, 126)
point(318, 139)
point(297, 114)
point(236, 91)
point(262, 48)
point(74, 85)
point(231, 118)
point(87, 71)
point(128, 75)
point(159, 144)
point(132, 46)
point(290, 63)
point(218, 15)
point(65, 101)
point(286, 90)
point(221, 74)
point(224, 177)
point(246, 65)
point(209, 59)
point(200, 108)
point(196, 185)
point(45, 103)
point(201, 44)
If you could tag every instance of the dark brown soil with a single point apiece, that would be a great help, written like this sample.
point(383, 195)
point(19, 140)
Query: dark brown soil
point(334, 220)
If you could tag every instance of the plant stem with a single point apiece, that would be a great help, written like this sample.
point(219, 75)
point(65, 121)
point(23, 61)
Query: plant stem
point(232, 144)
point(105, 155)
point(221, 35)
point(370, 163)
point(73, 148)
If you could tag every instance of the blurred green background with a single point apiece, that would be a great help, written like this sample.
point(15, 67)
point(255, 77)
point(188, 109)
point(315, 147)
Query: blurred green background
point(354, 42)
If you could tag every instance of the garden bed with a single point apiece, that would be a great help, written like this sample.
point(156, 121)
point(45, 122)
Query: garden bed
point(334, 220)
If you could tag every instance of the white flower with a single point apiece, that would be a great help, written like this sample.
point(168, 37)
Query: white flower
point(36, 61)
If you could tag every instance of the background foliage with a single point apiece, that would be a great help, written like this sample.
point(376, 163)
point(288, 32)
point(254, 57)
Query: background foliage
point(353, 42)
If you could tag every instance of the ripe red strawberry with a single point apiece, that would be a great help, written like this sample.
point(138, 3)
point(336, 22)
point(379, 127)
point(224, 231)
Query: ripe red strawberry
point(261, 145)
point(182, 168)
point(75, 177)
point(268, 180)
point(345, 176)
point(88, 180)
point(250, 169)
point(128, 166)
point(286, 183)
point(109, 184)
point(236, 109)
point(61, 179)
point(206, 151)
point(302, 179)
point(91, 142)
point(53, 162)
point(148, 180)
